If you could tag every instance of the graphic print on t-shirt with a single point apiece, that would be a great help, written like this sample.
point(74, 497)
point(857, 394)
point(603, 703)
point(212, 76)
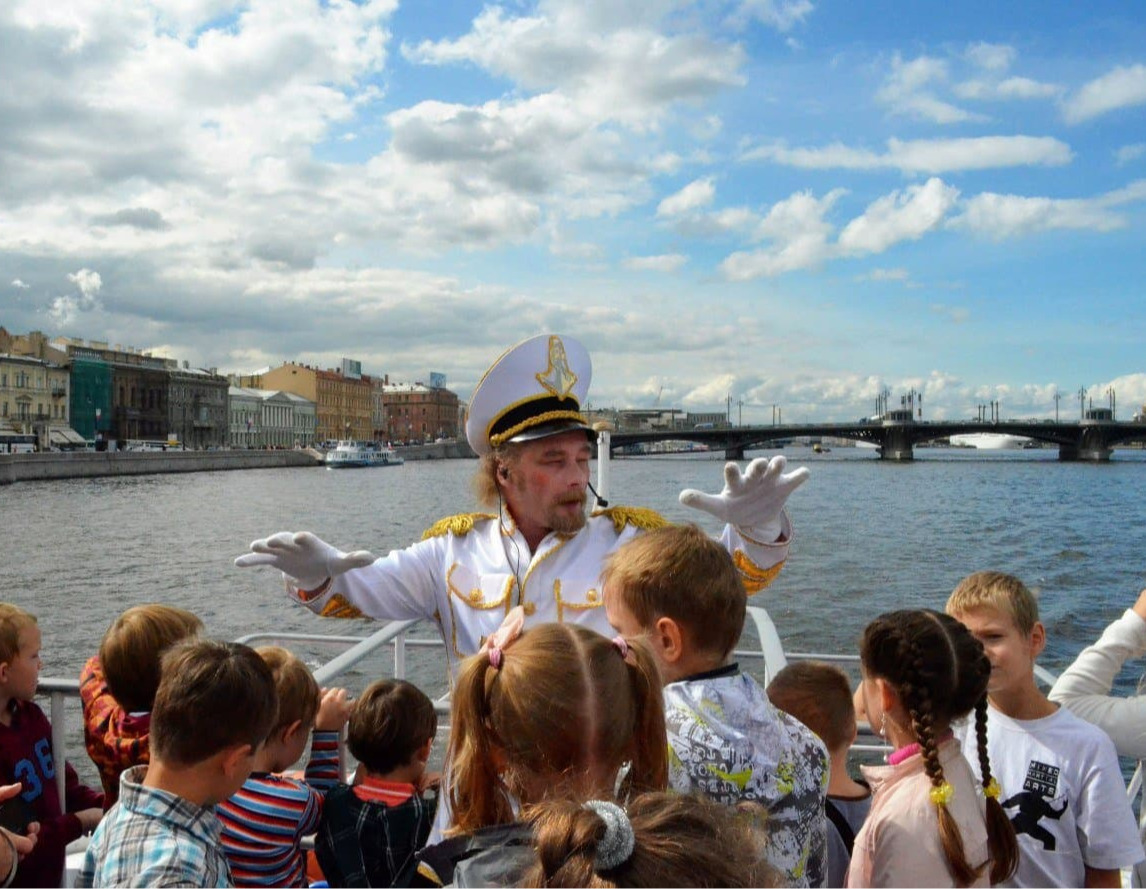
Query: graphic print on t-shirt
point(1034, 803)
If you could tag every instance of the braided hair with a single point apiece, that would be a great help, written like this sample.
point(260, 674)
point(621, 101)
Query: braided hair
point(940, 672)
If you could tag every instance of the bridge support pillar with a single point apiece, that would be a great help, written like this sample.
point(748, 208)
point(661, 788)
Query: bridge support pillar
point(897, 446)
point(734, 453)
point(1091, 447)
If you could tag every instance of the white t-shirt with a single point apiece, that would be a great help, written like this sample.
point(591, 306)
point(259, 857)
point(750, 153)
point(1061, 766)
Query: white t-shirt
point(1062, 789)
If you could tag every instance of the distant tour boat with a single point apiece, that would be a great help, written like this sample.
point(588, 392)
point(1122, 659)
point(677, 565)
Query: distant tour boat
point(351, 454)
point(989, 441)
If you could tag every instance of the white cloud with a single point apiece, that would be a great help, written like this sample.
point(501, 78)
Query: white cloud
point(19, 285)
point(1010, 88)
point(66, 309)
point(1130, 153)
point(1002, 216)
point(783, 15)
point(926, 155)
point(798, 234)
point(698, 193)
point(1123, 87)
point(897, 274)
point(665, 262)
point(901, 215)
point(991, 56)
point(908, 91)
point(954, 314)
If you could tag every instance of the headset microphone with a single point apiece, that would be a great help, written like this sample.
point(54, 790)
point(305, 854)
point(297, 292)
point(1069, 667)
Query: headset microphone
point(601, 501)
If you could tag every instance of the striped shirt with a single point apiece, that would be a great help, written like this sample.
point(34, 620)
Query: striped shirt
point(154, 838)
point(264, 823)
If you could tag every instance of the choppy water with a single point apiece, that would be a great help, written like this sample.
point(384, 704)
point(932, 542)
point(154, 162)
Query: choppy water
point(869, 537)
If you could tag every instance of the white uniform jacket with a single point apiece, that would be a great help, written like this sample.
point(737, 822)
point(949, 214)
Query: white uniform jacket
point(469, 570)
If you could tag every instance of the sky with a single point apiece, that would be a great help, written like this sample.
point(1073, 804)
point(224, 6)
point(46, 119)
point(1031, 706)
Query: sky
point(763, 203)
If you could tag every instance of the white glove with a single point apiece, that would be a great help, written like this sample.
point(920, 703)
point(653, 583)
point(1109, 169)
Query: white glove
point(754, 501)
point(303, 558)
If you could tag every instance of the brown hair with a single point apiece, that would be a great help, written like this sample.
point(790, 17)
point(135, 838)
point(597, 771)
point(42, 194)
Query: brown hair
point(212, 695)
point(679, 840)
point(389, 723)
point(485, 483)
point(1002, 592)
point(820, 696)
point(940, 672)
point(133, 646)
point(565, 706)
point(13, 619)
point(681, 573)
point(295, 688)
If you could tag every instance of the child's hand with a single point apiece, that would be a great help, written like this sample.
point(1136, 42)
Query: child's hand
point(89, 818)
point(333, 710)
point(1140, 605)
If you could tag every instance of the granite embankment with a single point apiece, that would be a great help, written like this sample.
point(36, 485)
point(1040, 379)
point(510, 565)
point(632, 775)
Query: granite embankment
point(87, 464)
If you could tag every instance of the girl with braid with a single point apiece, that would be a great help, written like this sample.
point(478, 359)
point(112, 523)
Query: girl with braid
point(558, 711)
point(931, 823)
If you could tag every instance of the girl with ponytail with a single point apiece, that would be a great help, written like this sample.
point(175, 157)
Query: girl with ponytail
point(558, 711)
point(931, 823)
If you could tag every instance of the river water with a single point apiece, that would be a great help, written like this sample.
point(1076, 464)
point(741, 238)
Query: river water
point(870, 536)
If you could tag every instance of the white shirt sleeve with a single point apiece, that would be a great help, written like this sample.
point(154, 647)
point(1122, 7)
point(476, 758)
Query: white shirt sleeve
point(1085, 686)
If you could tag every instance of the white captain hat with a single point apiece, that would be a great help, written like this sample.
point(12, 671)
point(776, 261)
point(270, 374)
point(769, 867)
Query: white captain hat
point(534, 390)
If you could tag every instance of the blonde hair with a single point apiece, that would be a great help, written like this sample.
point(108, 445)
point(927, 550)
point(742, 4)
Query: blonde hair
point(13, 620)
point(485, 484)
point(820, 696)
point(133, 647)
point(295, 687)
point(565, 706)
point(940, 671)
point(1004, 593)
point(679, 840)
point(681, 573)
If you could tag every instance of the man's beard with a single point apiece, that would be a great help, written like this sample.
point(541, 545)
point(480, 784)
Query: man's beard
point(567, 523)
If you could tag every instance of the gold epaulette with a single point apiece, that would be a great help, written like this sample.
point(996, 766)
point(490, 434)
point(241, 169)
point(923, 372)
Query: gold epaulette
point(639, 517)
point(459, 524)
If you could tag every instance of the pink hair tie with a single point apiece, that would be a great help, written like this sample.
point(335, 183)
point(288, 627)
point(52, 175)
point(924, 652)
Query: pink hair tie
point(495, 658)
point(621, 645)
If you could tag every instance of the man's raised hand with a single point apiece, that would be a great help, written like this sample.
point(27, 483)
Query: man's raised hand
point(304, 558)
point(752, 501)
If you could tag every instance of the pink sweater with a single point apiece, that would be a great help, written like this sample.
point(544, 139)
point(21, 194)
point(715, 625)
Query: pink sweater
point(899, 843)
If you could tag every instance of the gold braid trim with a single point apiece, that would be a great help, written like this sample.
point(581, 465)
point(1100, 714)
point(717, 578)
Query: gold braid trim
point(535, 420)
point(457, 525)
point(339, 607)
point(637, 516)
point(752, 575)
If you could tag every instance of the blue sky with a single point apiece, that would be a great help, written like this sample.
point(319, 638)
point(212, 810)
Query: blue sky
point(783, 201)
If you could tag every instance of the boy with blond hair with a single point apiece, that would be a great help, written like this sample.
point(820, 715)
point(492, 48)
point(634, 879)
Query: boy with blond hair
point(213, 710)
point(371, 829)
point(26, 755)
point(117, 687)
point(1059, 778)
point(679, 590)
point(820, 696)
point(265, 821)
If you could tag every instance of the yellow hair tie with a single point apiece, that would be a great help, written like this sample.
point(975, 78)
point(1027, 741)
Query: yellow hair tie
point(992, 790)
point(941, 794)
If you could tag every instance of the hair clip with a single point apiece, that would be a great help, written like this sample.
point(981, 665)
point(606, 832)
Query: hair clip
point(616, 846)
point(941, 793)
point(991, 789)
point(621, 645)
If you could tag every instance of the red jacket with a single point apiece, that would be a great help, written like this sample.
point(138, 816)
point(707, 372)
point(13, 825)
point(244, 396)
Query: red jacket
point(115, 740)
point(26, 756)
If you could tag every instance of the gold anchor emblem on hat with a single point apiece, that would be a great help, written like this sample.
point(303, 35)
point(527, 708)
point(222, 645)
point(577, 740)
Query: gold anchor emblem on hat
point(558, 378)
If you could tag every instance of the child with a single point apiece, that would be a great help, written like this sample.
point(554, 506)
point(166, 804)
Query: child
point(820, 696)
point(26, 755)
point(264, 823)
point(213, 710)
point(657, 839)
point(679, 590)
point(554, 712)
point(117, 687)
point(370, 831)
point(928, 824)
point(1062, 785)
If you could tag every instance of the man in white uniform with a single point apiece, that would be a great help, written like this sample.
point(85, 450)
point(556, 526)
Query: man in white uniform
point(539, 549)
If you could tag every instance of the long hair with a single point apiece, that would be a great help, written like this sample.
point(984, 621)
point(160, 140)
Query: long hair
point(678, 840)
point(565, 708)
point(940, 673)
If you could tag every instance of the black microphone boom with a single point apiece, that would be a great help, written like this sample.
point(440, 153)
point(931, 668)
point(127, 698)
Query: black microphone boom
point(601, 501)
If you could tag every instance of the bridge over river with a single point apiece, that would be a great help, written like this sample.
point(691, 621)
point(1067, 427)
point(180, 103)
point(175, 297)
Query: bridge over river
point(1090, 440)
